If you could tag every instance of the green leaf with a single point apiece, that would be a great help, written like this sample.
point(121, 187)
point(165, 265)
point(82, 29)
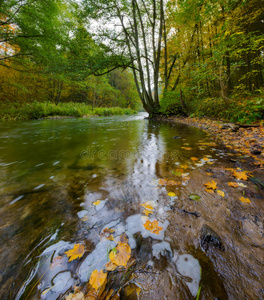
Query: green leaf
point(194, 197)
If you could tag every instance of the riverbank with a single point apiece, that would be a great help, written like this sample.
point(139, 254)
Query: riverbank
point(246, 141)
point(40, 110)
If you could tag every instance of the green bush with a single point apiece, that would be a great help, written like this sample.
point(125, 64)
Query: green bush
point(171, 105)
point(238, 109)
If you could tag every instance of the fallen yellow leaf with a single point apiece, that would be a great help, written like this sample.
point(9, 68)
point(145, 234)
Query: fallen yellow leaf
point(240, 175)
point(211, 185)
point(147, 206)
point(171, 194)
point(97, 279)
point(194, 158)
point(220, 193)
point(233, 184)
point(153, 226)
point(122, 254)
point(96, 202)
point(110, 266)
point(147, 212)
point(185, 167)
point(76, 252)
point(244, 200)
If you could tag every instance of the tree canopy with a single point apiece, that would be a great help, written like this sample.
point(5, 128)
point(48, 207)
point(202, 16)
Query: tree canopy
point(173, 49)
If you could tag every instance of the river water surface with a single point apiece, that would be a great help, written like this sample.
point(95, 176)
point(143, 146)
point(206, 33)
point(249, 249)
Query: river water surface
point(54, 171)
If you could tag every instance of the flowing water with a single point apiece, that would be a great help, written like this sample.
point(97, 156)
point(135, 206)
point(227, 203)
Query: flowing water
point(53, 172)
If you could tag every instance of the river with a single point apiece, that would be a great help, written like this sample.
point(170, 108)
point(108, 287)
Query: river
point(53, 172)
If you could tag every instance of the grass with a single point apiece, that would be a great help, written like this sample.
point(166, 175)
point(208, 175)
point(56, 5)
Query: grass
point(37, 110)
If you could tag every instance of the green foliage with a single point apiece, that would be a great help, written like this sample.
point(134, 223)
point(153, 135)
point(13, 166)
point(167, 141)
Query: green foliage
point(171, 104)
point(36, 110)
point(239, 110)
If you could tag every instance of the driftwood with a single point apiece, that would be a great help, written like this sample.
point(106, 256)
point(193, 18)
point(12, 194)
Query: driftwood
point(247, 125)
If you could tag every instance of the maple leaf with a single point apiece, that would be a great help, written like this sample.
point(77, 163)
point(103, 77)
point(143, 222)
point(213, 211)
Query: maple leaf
point(122, 254)
point(244, 200)
point(233, 184)
point(220, 193)
point(171, 194)
point(97, 279)
point(206, 159)
point(186, 148)
point(209, 174)
point(240, 175)
point(76, 252)
point(153, 226)
point(97, 202)
point(211, 185)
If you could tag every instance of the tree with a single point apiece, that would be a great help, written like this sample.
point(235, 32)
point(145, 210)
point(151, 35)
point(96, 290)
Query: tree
point(137, 40)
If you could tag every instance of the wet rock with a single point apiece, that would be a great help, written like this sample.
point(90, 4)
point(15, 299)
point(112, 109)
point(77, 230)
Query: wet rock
point(255, 151)
point(176, 137)
point(210, 237)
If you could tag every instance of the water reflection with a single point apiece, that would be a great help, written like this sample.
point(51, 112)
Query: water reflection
point(52, 172)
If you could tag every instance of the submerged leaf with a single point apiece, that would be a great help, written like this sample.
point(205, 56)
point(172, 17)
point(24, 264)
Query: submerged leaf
point(76, 252)
point(97, 279)
point(194, 197)
point(244, 200)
